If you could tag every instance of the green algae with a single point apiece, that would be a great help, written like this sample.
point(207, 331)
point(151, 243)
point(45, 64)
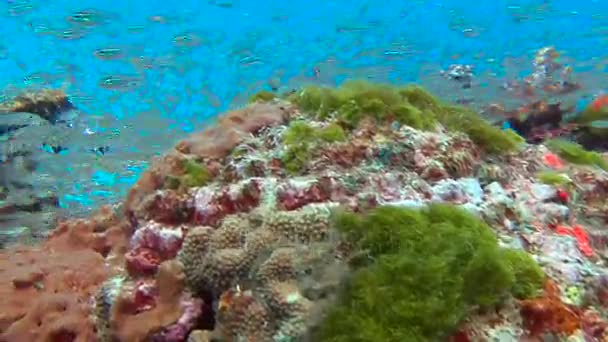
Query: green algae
point(262, 96)
point(421, 272)
point(590, 117)
point(332, 133)
point(576, 154)
point(410, 105)
point(553, 178)
point(356, 100)
point(529, 277)
point(300, 138)
point(195, 175)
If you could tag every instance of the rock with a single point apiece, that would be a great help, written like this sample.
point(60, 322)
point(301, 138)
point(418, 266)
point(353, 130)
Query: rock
point(48, 104)
point(14, 121)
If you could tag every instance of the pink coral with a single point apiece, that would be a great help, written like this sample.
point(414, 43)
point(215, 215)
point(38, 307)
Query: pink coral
point(292, 196)
point(178, 331)
point(150, 245)
point(142, 261)
point(212, 204)
point(168, 207)
point(164, 240)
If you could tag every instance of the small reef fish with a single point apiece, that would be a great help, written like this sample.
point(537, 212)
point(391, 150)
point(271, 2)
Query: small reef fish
point(108, 53)
point(120, 82)
point(187, 40)
point(90, 17)
point(507, 125)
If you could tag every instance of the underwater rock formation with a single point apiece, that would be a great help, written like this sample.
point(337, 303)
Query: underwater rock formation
point(27, 122)
point(291, 213)
point(48, 104)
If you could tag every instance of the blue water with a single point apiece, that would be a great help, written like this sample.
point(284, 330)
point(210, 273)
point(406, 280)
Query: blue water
point(187, 61)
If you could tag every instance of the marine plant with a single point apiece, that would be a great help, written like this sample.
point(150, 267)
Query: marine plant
point(420, 272)
point(262, 96)
point(553, 178)
point(576, 154)
point(194, 175)
point(299, 139)
point(409, 105)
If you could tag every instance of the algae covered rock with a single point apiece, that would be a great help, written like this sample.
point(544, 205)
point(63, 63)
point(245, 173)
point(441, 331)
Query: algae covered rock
point(421, 273)
point(410, 105)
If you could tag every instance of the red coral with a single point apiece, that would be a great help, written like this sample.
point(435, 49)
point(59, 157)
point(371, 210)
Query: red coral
point(594, 327)
point(553, 161)
point(462, 335)
point(213, 205)
point(433, 173)
point(135, 318)
point(151, 245)
point(142, 261)
point(346, 155)
point(139, 298)
point(168, 207)
point(579, 233)
point(548, 314)
point(291, 197)
point(163, 240)
point(177, 332)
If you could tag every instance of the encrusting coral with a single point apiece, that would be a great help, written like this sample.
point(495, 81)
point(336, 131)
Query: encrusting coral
point(46, 290)
point(366, 212)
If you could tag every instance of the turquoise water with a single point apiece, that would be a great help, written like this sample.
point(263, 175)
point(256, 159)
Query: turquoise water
point(144, 73)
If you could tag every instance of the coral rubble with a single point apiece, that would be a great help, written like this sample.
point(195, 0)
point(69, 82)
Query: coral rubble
point(362, 213)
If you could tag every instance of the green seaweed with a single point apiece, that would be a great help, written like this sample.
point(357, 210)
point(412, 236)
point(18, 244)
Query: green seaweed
point(411, 105)
point(300, 138)
point(195, 175)
point(172, 182)
point(528, 274)
point(488, 278)
point(331, 133)
point(262, 96)
point(553, 178)
point(420, 272)
point(576, 154)
point(490, 138)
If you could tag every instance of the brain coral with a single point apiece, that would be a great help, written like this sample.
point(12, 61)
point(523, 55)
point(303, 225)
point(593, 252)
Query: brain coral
point(268, 273)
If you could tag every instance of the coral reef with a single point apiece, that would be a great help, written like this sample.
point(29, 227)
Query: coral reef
point(47, 103)
point(366, 212)
point(27, 121)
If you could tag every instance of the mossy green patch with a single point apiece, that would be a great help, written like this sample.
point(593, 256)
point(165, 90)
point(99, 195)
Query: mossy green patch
point(410, 105)
point(420, 272)
point(300, 138)
point(262, 96)
point(528, 275)
point(593, 122)
point(576, 154)
point(331, 133)
point(195, 175)
point(553, 178)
